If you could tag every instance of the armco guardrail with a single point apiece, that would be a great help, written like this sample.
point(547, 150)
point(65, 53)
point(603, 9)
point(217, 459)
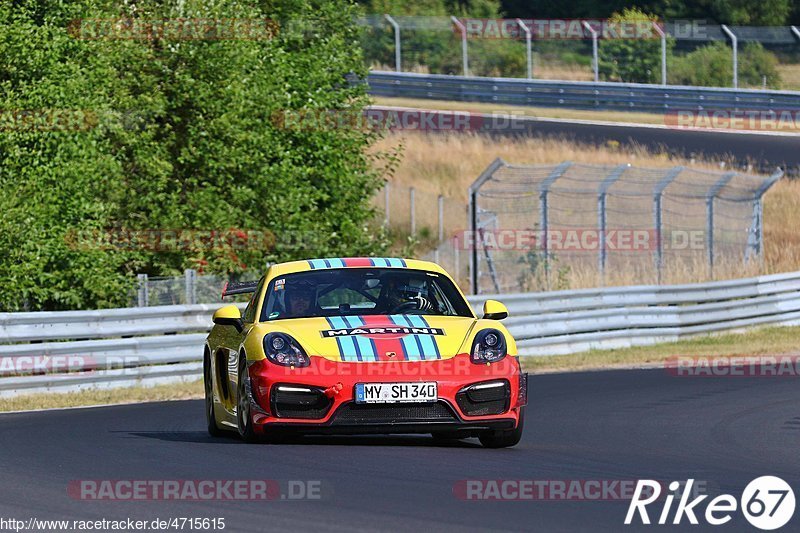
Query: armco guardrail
point(102, 348)
point(579, 94)
point(121, 347)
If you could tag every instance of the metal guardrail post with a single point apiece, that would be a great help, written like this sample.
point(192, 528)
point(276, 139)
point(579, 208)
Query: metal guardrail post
point(412, 207)
point(663, 36)
point(142, 293)
point(595, 62)
point(735, 45)
point(544, 223)
point(397, 49)
point(657, 194)
point(608, 181)
point(710, 196)
point(528, 47)
point(464, 54)
point(472, 216)
point(190, 280)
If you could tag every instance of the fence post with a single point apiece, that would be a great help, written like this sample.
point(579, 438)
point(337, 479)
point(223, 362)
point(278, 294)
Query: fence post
point(755, 237)
point(386, 204)
point(544, 188)
point(190, 280)
point(472, 219)
point(397, 52)
point(712, 193)
point(595, 63)
point(464, 55)
point(412, 206)
point(658, 192)
point(735, 45)
point(440, 202)
point(142, 296)
point(608, 181)
point(528, 47)
point(663, 36)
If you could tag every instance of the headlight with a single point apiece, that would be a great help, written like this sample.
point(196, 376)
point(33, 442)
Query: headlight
point(283, 350)
point(489, 346)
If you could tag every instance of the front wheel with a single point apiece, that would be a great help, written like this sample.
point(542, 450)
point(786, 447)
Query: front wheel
point(208, 387)
point(243, 398)
point(504, 438)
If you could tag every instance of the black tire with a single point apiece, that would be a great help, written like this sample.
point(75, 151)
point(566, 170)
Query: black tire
point(243, 401)
point(504, 438)
point(208, 387)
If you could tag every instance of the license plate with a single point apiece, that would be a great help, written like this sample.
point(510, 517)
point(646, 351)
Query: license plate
point(424, 391)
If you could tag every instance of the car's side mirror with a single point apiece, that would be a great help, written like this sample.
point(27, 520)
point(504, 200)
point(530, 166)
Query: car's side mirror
point(494, 310)
point(229, 316)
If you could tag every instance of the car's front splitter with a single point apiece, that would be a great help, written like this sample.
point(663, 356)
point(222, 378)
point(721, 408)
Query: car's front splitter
point(341, 414)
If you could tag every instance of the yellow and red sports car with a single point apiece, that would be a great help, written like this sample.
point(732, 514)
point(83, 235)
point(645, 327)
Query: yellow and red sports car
point(362, 345)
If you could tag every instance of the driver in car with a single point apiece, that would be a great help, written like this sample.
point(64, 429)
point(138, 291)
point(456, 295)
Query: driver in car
point(299, 299)
point(402, 297)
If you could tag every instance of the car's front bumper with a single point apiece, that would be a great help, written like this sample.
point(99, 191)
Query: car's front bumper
point(330, 407)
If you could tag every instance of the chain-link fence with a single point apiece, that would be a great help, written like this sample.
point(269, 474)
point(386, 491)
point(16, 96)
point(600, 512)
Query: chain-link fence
point(427, 217)
point(191, 288)
point(567, 49)
point(541, 227)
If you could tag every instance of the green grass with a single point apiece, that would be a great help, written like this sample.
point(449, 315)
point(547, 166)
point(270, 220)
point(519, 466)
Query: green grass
point(760, 341)
point(175, 391)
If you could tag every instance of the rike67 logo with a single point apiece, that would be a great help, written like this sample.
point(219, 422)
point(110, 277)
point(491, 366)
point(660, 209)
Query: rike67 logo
point(767, 503)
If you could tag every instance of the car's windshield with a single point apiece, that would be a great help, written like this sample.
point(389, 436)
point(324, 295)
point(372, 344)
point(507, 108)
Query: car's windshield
point(362, 291)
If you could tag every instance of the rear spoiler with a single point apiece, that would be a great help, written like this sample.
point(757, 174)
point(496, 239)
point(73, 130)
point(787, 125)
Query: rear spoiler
point(239, 287)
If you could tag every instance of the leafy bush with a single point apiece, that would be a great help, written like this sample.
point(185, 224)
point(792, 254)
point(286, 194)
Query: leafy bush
point(712, 66)
point(631, 60)
point(179, 135)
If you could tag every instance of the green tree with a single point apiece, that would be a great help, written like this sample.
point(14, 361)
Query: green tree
point(183, 136)
point(632, 60)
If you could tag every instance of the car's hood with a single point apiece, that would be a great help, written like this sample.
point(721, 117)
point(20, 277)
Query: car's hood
point(372, 338)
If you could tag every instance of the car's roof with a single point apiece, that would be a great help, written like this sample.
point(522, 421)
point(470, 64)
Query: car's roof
point(353, 262)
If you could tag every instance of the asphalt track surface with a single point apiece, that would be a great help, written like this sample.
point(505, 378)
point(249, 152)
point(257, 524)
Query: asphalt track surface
point(612, 425)
point(764, 152)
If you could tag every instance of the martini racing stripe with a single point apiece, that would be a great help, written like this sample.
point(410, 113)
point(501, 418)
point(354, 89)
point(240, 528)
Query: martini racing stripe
point(355, 347)
point(365, 347)
point(315, 264)
point(418, 347)
point(385, 344)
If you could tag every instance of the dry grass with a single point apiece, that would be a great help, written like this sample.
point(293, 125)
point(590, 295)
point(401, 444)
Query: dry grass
point(554, 70)
point(790, 76)
point(176, 391)
point(448, 164)
point(761, 341)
